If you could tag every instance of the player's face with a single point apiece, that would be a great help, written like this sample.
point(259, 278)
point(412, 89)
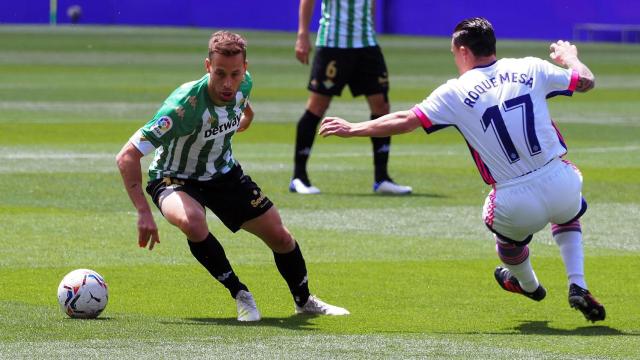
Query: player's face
point(225, 75)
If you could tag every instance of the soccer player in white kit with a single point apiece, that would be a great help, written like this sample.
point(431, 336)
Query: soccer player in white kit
point(500, 108)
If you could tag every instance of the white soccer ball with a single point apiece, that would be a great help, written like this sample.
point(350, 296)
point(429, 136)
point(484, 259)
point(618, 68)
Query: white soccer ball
point(83, 294)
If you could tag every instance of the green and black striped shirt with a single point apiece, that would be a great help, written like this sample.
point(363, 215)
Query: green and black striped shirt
point(192, 136)
point(346, 24)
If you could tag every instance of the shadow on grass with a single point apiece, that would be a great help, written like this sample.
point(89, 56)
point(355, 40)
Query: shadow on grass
point(296, 322)
point(101, 318)
point(542, 328)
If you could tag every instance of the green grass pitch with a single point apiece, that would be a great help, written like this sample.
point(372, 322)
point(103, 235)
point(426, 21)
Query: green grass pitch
point(416, 272)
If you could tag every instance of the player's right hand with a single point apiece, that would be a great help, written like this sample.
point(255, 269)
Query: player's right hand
point(303, 48)
point(147, 230)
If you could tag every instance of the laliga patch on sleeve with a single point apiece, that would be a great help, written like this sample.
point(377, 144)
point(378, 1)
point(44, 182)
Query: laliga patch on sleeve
point(162, 126)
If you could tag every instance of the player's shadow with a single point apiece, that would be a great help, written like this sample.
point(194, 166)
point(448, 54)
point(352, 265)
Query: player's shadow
point(295, 322)
point(542, 328)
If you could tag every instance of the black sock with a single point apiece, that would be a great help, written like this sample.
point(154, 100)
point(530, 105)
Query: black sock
point(294, 271)
point(211, 255)
point(380, 155)
point(305, 134)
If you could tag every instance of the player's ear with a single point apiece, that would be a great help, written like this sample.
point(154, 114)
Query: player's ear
point(466, 53)
point(207, 64)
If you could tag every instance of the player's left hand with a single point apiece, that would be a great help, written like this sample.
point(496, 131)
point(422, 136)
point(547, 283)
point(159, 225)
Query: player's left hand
point(561, 51)
point(303, 48)
point(245, 122)
point(246, 118)
point(335, 126)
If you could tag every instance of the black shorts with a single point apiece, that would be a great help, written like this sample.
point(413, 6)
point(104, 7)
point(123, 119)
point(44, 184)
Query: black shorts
point(363, 69)
point(233, 197)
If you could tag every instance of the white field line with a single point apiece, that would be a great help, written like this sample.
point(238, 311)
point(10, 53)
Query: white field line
point(316, 346)
point(268, 112)
point(79, 106)
point(428, 151)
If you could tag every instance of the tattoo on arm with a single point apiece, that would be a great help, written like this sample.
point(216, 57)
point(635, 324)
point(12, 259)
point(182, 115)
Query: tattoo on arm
point(584, 84)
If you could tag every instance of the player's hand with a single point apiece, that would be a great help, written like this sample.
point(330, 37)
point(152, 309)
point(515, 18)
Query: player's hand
point(246, 118)
point(335, 126)
point(147, 230)
point(562, 51)
point(303, 48)
point(245, 122)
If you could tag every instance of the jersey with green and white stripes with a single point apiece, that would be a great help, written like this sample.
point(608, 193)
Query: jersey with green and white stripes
point(346, 24)
point(191, 134)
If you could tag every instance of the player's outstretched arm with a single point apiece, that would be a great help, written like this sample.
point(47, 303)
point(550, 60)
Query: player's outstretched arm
point(565, 54)
point(128, 160)
point(399, 122)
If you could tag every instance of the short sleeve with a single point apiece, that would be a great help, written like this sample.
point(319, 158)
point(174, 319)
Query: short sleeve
point(141, 143)
point(436, 112)
point(556, 80)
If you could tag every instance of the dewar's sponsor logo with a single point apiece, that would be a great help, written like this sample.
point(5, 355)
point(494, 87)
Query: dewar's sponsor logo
point(219, 129)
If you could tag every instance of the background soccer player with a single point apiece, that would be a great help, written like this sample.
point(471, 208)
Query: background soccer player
point(346, 54)
point(194, 168)
point(500, 108)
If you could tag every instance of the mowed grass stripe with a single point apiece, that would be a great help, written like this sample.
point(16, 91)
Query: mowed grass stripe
point(443, 232)
point(392, 300)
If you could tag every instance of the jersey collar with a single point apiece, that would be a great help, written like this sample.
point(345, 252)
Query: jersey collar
point(486, 66)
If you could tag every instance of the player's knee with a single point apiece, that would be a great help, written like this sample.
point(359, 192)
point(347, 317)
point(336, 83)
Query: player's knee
point(193, 225)
point(318, 104)
point(282, 241)
point(385, 108)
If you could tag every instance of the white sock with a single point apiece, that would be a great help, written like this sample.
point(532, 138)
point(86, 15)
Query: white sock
point(570, 244)
point(525, 275)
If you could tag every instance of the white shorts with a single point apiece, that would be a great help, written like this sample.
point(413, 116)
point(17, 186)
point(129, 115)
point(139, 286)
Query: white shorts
point(520, 207)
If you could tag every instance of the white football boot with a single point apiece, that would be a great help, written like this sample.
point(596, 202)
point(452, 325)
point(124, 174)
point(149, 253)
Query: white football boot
point(247, 309)
point(315, 306)
point(297, 186)
point(389, 187)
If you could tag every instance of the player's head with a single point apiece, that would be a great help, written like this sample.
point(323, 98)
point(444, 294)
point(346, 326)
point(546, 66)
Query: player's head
point(226, 65)
point(472, 38)
point(228, 44)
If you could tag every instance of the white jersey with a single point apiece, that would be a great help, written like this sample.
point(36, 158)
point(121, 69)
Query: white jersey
point(501, 111)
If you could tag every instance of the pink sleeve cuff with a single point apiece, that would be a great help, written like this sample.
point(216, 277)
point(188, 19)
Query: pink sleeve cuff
point(574, 80)
point(426, 123)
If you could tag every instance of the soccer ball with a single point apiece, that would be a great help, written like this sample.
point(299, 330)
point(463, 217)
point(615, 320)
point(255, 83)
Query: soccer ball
point(83, 294)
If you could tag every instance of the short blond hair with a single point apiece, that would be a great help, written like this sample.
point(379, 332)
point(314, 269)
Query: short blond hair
point(228, 44)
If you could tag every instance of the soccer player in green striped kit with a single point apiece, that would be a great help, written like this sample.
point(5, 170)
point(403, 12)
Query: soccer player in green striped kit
point(346, 54)
point(194, 168)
